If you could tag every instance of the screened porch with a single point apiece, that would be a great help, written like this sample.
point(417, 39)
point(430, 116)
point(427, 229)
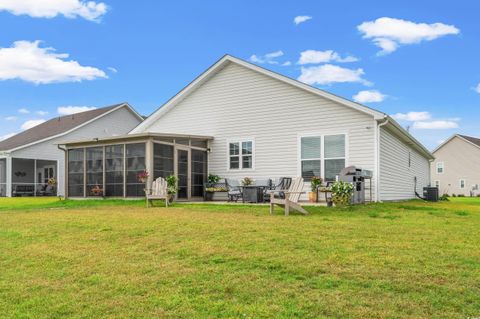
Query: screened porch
point(110, 167)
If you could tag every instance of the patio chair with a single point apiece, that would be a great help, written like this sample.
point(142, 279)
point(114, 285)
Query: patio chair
point(280, 188)
point(292, 196)
point(234, 190)
point(158, 191)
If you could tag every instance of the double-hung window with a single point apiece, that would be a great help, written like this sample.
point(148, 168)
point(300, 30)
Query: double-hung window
point(462, 183)
point(440, 168)
point(241, 154)
point(322, 155)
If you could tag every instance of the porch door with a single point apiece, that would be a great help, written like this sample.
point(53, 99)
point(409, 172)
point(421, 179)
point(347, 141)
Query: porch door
point(183, 174)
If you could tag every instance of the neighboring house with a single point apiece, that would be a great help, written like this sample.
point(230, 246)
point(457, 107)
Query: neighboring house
point(29, 159)
point(456, 168)
point(237, 120)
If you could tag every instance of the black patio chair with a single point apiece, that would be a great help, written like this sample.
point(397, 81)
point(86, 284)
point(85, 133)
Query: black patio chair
point(234, 190)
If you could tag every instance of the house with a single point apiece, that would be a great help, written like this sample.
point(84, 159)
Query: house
point(456, 168)
point(238, 119)
point(29, 159)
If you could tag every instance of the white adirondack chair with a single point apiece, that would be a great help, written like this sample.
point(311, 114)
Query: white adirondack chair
point(292, 195)
point(158, 191)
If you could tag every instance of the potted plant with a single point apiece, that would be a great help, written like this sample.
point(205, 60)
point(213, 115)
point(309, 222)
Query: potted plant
point(209, 191)
point(210, 187)
point(246, 181)
point(342, 193)
point(171, 187)
point(315, 183)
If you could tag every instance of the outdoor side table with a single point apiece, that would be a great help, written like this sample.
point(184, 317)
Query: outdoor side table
point(252, 194)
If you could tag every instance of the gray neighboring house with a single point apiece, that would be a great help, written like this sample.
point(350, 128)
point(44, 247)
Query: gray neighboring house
point(456, 168)
point(30, 158)
point(238, 119)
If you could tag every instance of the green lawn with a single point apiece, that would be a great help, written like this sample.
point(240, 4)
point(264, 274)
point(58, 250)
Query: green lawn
point(115, 259)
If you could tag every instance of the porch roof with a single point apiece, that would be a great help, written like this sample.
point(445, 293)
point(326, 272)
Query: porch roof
point(128, 137)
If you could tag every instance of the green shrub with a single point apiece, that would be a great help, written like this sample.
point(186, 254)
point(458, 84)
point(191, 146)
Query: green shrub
point(341, 193)
point(213, 179)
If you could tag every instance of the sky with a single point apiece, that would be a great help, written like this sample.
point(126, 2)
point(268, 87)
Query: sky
point(414, 60)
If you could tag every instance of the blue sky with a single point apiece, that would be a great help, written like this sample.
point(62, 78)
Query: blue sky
point(417, 59)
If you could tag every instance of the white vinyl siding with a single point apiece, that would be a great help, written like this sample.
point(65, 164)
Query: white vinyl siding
point(397, 178)
point(238, 101)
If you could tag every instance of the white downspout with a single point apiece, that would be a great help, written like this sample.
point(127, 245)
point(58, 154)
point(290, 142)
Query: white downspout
point(377, 177)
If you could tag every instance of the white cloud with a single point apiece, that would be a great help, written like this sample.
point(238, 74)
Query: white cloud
point(23, 111)
point(435, 125)
point(328, 74)
point(89, 10)
point(390, 33)
point(28, 62)
point(300, 19)
point(412, 116)
point(287, 63)
point(7, 136)
point(67, 110)
point(112, 69)
point(477, 88)
point(369, 96)
point(42, 113)
point(11, 118)
point(267, 58)
point(315, 57)
point(31, 123)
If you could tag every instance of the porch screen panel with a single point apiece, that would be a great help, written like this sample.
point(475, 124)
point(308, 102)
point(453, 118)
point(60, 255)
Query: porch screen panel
point(3, 177)
point(23, 177)
point(199, 172)
point(76, 181)
point(135, 158)
point(162, 160)
point(114, 170)
point(95, 171)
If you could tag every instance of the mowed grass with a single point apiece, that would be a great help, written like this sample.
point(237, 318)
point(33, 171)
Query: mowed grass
point(108, 260)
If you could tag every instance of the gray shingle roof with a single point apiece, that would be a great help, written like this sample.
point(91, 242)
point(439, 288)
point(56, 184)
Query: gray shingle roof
point(53, 127)
point(471, 139)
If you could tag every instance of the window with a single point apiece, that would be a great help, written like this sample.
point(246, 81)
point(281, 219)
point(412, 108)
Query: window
point(240, 154)
point(334, 156)
point(311, 156)
point(322, 156)
point(462, 183)
point(440, 168)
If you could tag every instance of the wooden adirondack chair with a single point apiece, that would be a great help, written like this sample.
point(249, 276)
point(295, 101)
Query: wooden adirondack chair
point(158, 191)
point(292, 195)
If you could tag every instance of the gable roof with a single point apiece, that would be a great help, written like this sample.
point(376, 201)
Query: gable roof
point(58, 126)
point(475, 141)
point(225, 60)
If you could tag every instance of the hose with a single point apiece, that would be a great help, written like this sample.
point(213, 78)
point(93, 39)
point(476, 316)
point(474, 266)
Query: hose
point(415, 189)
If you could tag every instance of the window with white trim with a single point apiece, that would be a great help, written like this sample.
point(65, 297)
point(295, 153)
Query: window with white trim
point(462, 183)
point(440, 168)
point(240, 155)
point(323, 155)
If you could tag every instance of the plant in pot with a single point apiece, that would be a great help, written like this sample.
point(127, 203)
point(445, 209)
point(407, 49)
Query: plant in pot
point(210, 187)
point(315, 183)
point(172, 187)
point(342, 193)
point(246, 181)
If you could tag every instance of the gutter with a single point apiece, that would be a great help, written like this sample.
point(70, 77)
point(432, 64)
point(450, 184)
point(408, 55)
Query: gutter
point(377, 178)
